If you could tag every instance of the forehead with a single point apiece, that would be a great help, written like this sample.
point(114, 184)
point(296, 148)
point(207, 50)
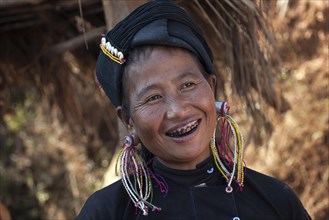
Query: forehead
point(142, 53)
point(151, 63)
point(140, 57)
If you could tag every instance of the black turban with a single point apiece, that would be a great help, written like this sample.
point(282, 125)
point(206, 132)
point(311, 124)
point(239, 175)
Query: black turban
point(154, 23)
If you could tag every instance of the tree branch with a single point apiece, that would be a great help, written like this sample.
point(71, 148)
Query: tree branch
point(76, 42)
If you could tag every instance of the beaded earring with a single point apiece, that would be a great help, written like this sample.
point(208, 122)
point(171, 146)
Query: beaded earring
point(136, 176)
point(228, 161)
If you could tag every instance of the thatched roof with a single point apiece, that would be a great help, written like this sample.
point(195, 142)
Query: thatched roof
point(36, 36)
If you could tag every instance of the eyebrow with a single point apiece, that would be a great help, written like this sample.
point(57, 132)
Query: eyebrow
point(154, 86)
point(145, 90)
point(186, 74)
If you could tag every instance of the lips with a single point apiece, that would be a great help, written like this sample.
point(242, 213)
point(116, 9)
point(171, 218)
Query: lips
point(185, 130)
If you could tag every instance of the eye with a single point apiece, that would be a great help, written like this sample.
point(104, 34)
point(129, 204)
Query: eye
point(152, 98)
point(188, 85)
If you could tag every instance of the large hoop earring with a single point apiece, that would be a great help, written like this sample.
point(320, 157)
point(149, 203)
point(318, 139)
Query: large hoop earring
point(228, 161)
point(136, 176)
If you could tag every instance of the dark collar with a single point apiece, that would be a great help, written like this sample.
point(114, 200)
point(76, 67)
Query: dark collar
point(205, 173)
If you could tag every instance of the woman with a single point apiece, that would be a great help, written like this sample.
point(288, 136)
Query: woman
point(157, 69)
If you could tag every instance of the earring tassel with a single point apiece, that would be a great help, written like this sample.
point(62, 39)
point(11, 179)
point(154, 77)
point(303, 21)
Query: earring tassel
point(228, 161)
point(135, 176)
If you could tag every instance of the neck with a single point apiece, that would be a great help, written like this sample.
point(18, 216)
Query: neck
point(185, 165)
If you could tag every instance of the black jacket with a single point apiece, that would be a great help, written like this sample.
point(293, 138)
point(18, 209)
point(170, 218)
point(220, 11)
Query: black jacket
point(200, 194)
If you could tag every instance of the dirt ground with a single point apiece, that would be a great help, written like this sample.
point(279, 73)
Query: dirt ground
point(49, 174)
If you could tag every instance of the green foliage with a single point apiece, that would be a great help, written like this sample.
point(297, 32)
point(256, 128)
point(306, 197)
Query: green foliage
point(16, 121)
point(16, 182)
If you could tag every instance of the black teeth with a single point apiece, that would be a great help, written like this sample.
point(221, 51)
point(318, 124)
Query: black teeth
point(184, 132)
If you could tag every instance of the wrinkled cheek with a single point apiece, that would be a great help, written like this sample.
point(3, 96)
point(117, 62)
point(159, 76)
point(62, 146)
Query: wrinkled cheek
point(148, 132)
point(145, 134)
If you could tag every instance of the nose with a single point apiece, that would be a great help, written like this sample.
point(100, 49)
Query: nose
point(176, 108)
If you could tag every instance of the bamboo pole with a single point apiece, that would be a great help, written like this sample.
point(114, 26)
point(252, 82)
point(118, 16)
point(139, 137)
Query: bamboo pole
point(114, 12)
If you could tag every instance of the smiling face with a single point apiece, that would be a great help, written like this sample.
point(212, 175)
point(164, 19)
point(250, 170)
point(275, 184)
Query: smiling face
point(171, 106)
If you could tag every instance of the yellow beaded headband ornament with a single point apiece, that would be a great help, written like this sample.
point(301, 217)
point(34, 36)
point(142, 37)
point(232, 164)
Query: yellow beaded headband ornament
point(228, 160)
point(112, 52)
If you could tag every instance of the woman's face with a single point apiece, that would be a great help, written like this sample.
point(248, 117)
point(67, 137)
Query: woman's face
point(172, 106)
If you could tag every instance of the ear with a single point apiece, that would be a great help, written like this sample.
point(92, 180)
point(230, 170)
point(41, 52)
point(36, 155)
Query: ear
point(212, 81)
point(123, 116)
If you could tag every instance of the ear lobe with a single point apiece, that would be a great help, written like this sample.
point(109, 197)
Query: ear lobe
point(123, 117)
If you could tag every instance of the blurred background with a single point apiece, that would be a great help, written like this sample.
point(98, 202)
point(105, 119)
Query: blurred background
point(59, 133)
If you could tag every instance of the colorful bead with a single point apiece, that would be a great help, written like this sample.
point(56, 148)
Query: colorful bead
point(211, 170)
point(120, 55)
point(103, 41)
point(229, 189)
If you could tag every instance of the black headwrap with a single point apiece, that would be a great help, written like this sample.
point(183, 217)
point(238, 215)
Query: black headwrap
point(154, 23)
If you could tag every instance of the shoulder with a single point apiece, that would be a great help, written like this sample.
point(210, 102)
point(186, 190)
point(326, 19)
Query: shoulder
point(264, 181)
point(278, 194)
point(110, 192)
point(107, 203)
